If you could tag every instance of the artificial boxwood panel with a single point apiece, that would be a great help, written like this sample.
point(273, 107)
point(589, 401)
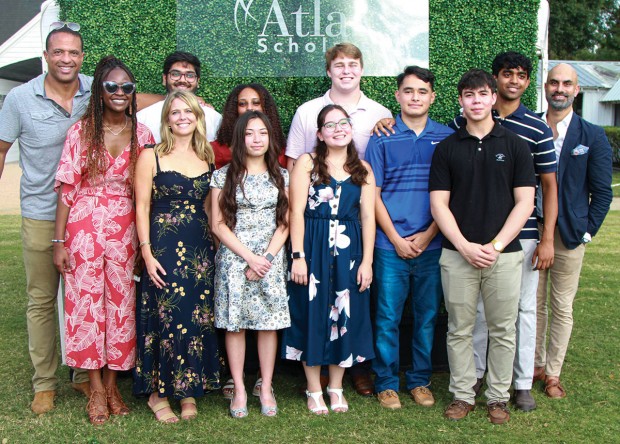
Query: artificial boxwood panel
point(463, 34)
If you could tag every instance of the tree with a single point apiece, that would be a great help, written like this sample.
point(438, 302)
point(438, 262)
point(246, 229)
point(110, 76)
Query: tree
point(584, 29)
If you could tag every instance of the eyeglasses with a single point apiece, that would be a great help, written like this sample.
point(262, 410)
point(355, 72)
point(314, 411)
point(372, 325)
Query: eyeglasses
point(190, 76)
point(112, 87)
point(342, 123)
point(59, 25)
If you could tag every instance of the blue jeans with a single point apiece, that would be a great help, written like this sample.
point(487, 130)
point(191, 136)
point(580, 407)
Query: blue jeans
point(395, 279)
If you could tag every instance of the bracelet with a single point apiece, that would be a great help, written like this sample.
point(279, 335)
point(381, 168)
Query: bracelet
point(58, 241)
point(142, 244)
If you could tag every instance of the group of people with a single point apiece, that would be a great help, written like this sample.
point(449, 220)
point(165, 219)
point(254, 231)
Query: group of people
point(208, 203)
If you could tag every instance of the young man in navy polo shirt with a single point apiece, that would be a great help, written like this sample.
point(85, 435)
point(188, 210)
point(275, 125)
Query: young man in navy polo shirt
point(512, 72)
point(482, 193)
point(408, 246)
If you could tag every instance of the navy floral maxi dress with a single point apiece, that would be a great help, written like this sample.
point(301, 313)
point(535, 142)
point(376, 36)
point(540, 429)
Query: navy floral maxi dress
point(330, 318)
point(177, 343)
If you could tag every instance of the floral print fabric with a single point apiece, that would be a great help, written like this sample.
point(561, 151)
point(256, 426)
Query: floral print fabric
point(240, 303)
point(101, 243)
point(177, 343)
point(330, 318)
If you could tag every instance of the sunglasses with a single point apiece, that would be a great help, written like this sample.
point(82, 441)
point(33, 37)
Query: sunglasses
point(112, 87)
point(59, 25)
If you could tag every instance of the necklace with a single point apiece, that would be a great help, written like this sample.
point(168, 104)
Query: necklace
point(122, 129)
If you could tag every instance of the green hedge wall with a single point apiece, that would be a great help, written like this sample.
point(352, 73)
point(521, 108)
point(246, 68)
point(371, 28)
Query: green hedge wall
point(613, 134)
point(463, 34)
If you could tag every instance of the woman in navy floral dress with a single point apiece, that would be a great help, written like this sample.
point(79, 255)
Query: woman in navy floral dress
point(332, 238)
point(177, 345)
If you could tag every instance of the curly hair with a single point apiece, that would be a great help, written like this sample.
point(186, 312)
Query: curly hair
point(353, 164)
point(235, 176)
point(92, 120)
point(201, 146)
point(230, 115)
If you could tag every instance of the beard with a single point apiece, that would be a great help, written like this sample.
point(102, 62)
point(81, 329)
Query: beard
point(560, 105)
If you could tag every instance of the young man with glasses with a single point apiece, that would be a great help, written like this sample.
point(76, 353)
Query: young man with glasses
point(181, 72)
point(408, 243)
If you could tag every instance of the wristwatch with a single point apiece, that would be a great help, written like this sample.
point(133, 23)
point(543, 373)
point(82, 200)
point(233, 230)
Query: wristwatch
point(298, 255)
point(497, 245)
point(268, 256)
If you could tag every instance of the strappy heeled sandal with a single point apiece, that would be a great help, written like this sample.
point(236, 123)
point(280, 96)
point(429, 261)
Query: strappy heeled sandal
point(318, 409)
point(268, 410)
point(340, 404)
point(97, 408)
point(115, 402)
point(229, 389)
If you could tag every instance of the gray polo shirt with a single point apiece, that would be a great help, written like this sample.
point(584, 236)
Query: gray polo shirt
point(41, 126)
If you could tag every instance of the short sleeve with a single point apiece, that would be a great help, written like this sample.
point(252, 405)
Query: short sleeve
point(376, 158)
point(219, 177)
point(10, 125)
point(524, 167)
point(439, 177)
point(296, 142)
point(70, 167)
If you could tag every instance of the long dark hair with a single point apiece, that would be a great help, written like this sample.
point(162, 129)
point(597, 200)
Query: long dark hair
point(353, 164)
point(92, 120)
point(231, 114)
point(235, 176)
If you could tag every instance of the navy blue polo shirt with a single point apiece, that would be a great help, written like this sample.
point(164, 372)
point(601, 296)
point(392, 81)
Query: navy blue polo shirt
point(401, 165)
point(481, 175)
point(539, 137)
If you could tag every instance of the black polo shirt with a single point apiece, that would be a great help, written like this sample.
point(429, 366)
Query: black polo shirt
point(481, 176)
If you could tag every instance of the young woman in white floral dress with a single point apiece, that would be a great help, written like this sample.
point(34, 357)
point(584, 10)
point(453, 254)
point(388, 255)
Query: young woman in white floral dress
point(250, 218)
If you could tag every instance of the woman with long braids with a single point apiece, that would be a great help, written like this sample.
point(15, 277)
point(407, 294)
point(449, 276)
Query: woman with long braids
point(95, 237)
point(250, 217)
point(243, 98)
point(332, 237)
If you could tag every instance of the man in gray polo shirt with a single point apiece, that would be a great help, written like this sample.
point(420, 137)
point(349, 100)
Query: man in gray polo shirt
point(39, 113)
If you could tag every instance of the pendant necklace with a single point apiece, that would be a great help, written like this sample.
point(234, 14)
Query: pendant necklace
point(122, 129)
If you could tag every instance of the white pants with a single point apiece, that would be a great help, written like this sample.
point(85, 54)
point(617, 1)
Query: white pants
point(523, 369)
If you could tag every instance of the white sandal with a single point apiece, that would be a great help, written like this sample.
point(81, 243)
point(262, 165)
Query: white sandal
point(256, 389)
point(339, 405)
point(229, 389)
point(318, 409)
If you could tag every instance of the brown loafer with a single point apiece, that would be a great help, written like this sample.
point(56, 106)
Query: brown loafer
point(82, 387)
point(458, 409)
point(498, 412)
point(363, 384)
point(553, 388)
point(423, 396)
point(43, 401)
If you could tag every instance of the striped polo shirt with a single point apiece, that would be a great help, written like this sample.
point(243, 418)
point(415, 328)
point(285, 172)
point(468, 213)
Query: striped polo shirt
point(401, 165)
point(539, 137)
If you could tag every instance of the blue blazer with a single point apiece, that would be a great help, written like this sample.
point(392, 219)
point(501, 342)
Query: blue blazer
point(584, 181)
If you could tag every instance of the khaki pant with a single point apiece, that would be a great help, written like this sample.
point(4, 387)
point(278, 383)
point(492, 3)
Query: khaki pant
point(562, 279)
point(42, 288)
point(499, 286)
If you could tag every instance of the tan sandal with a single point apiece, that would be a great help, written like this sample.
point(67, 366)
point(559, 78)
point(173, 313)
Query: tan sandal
point(97, 408)
point(115, 402)
point(169, 417)
point(188, 408)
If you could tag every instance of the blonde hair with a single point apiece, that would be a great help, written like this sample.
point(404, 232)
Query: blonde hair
point(200, 144)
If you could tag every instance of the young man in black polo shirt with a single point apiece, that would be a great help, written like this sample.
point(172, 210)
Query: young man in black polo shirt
point(482, 193)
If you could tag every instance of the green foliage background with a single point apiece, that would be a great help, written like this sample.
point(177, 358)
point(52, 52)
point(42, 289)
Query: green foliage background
point(463, 34)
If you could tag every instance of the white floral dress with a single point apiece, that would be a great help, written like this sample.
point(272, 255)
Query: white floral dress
point(330, 318)
point(239, 303)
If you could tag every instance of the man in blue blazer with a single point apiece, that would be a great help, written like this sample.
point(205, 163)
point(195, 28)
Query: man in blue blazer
point(584, 196)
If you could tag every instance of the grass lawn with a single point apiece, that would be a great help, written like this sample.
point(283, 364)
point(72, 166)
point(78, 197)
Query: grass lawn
point(615, 180)
point(591, 376)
